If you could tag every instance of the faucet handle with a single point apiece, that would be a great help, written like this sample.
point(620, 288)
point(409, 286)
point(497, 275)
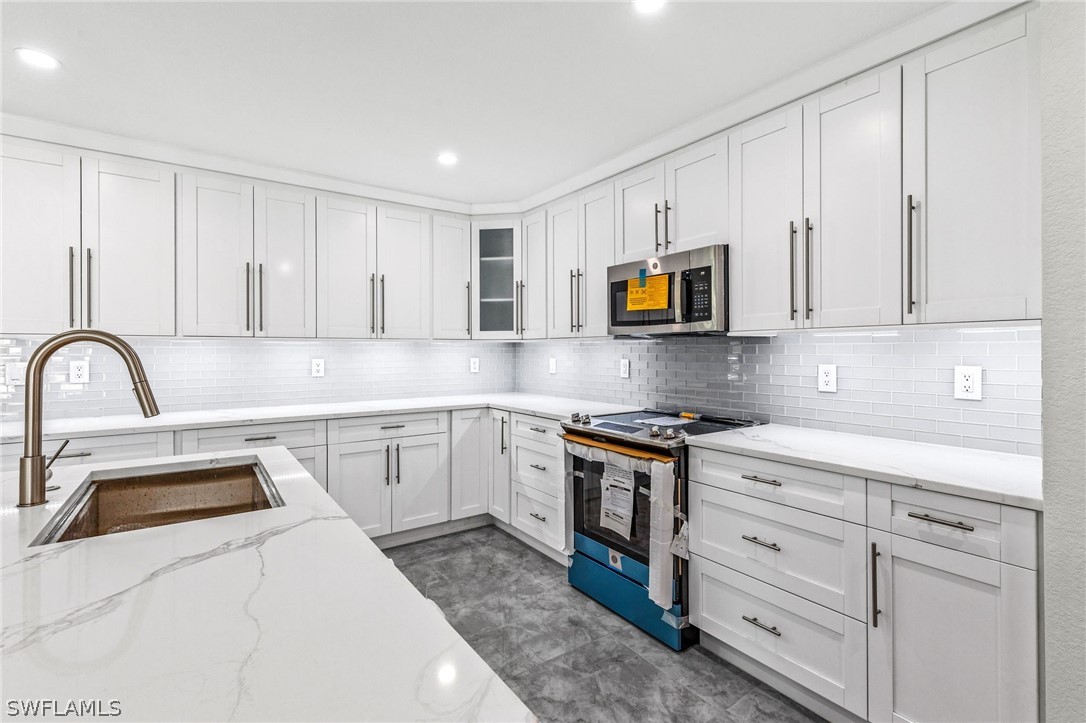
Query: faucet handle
point(57, 453)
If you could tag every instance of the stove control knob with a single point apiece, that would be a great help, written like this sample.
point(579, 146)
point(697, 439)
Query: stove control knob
point(576, 417)
point(586, 419)
point(669, 434)
point(654, 432)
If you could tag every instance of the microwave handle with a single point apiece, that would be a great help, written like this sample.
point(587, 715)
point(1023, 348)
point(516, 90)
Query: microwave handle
point(686, 296)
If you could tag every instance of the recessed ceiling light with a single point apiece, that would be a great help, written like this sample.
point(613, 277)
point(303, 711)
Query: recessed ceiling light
point(447, 159)
point(648, 6)
point(37, 58)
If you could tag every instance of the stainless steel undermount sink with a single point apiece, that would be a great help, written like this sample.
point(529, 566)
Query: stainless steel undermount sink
point(119, 500)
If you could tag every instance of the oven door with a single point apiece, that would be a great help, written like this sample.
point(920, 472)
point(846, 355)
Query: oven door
point(588, 484)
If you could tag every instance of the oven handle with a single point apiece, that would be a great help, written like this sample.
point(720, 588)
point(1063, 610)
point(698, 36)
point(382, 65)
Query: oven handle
point(620, 449)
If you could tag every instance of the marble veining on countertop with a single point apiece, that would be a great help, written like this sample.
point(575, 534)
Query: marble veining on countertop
point(1010, 479)
point(536, 404)
point(289, 613)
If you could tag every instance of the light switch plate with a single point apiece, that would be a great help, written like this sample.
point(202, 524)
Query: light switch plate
point(827, 378)
point(79, 371)
point(15, 373)
point(317, 367)
point(474, 365)
point(553, 365)
point(624, 369)
point(967, 383)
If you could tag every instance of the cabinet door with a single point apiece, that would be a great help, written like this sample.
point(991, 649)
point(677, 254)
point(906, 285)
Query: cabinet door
point(533, 285)
point(563, 265)
point(452, 278)
point(956, 637)
point(360, 481)
point(217, 274)
point(639, 199)
point(696, 208)
point(500, 465)
point(766, 187)
point(315, 462)
point(596, 231)
point(40, 254)
point(852, 212)
point(421, 489)
point(470, 462)
point(971, 164)
point(128, 248)
point(496, 263)
point(286, 263)
point(346, 269)
point(404, 280)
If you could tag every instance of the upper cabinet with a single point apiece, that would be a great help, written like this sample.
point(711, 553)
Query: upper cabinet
point(452, 278)
point(404, 282)
point(971, 156)
point(508, 288)
point(696, 198)
point(285, 254)
point(346, 268)
point(639, 207)
point(563, 264)
point(580, 247)
point(533, 284)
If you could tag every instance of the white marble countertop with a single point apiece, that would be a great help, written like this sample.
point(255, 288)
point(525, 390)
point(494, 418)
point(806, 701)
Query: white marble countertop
point(290, 613)
point(536, 404)
point(1010, 479)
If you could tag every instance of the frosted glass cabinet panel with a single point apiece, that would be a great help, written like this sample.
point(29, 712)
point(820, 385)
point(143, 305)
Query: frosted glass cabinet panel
point(496, 288)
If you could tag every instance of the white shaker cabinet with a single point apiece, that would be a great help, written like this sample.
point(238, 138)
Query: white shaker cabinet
point(639, 208)
point(501, 469)
point(285, 256)
point(533, 284)
point(956, 635)
point(360, 481)
point(696, 197)
point(563, 265)
point(452, 278)
point(40, 258)
point(404, 283)
point(346, 268)
point(766, 188)
point(217, 275)
point(470, 457)
point(971, 157)
point(420, 494)
point(596, 238)
point(851, 230)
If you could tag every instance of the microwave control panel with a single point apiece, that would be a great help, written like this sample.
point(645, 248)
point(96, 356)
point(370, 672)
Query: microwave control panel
point(700, 306)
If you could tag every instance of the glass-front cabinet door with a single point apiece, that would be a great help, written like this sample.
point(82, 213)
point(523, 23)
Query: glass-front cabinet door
point(497, 291)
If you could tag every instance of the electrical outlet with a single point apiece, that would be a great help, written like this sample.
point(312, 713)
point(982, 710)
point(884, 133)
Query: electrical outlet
point(553, 365)
point(79, 372)
point(317, 367)
point(475, 365)
point(827, 378)
point(624, 369)
point(16, 373)
point(967, 383)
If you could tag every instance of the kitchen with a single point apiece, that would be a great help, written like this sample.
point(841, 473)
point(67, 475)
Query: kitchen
point(726, 408)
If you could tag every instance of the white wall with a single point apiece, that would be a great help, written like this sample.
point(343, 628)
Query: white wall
point(1063, 56)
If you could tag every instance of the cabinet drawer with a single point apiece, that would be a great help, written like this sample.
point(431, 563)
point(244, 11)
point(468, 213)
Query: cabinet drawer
point(365, 429)
point(816, 557)
point(539, 515)
point(827, 493)
point(110, 448)
point(539, 465)
point(814, 646)
point(987, 529)
point(286, 434)
point(537, 428)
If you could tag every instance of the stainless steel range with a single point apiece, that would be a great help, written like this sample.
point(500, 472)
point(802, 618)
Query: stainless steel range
point(611, 563)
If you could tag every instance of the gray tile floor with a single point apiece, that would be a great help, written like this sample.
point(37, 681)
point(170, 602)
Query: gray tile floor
point(567, 657)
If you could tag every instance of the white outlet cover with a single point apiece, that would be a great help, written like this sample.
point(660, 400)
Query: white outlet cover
point(79, 372)
point(317, 367)
point(827, 378)
point(624, 369)
point(474, 365)
point(968, 383)
point(553, 365)
point(15, 373)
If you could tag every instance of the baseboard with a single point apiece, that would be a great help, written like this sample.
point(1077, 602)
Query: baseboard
point(816, 703)
point(556, 555)
point(396, 539)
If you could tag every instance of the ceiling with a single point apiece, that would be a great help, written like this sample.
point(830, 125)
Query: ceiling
point(527, 94)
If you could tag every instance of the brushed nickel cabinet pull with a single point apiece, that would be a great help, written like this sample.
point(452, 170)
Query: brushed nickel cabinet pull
point(503, 436)
point(572, 278)
point(763, 626)
point(580, 312)
point(656, 228)
point(393, 426)
point(71, 286)
point(939, 521)
point(90, 322)
point(383, 308)
point(807, 259)
point(875, 585)
point(469, 309)
point(791, 270)
point(248, 295)
point(541, 518)
point(667, 238)
point(260, 292)
point(538, 429)
point(763, 543)
point(397, 464)
point(260, 439)
point(763, 480)
point(910, 208)
point(73, 455)
point(373, 306)
point(388, 464)
point(538, 467)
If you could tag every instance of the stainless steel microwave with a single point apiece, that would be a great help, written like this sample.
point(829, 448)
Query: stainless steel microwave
point(680, 293)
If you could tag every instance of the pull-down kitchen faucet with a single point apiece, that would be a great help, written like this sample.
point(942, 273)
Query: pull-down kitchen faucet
point(32, 467)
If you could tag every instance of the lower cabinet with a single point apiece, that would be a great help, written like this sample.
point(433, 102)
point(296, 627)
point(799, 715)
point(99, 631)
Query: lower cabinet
point(315, 462)
point(539, 515)
point(392, 485)
point(470, 462)
point(108, 448)
point(954, 636)
point(500, 492)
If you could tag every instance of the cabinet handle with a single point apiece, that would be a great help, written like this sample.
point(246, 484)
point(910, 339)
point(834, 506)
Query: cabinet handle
point(260, 439)
point(667, 239)
point(538, 467)
point(90, 322)
point(503, 435)
point(572, 279)
point(791, 270)
point(807, 259)
point(397, 464)
point(541, 518)
point(373, 306)
point(939, 521)
point(469, 309)
point(388, 464)
point(520, 308)
point(763, 543)
point(763, 626)
point(910, 208)
point(875, 612)
point(260, 293)
point(383, 305)
point(248, 295)
point(393, 426)
point(763, 480)
point(73, 455)
point(71, 286)
point(580, 312)
point(656, 220)
point(538, 429)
